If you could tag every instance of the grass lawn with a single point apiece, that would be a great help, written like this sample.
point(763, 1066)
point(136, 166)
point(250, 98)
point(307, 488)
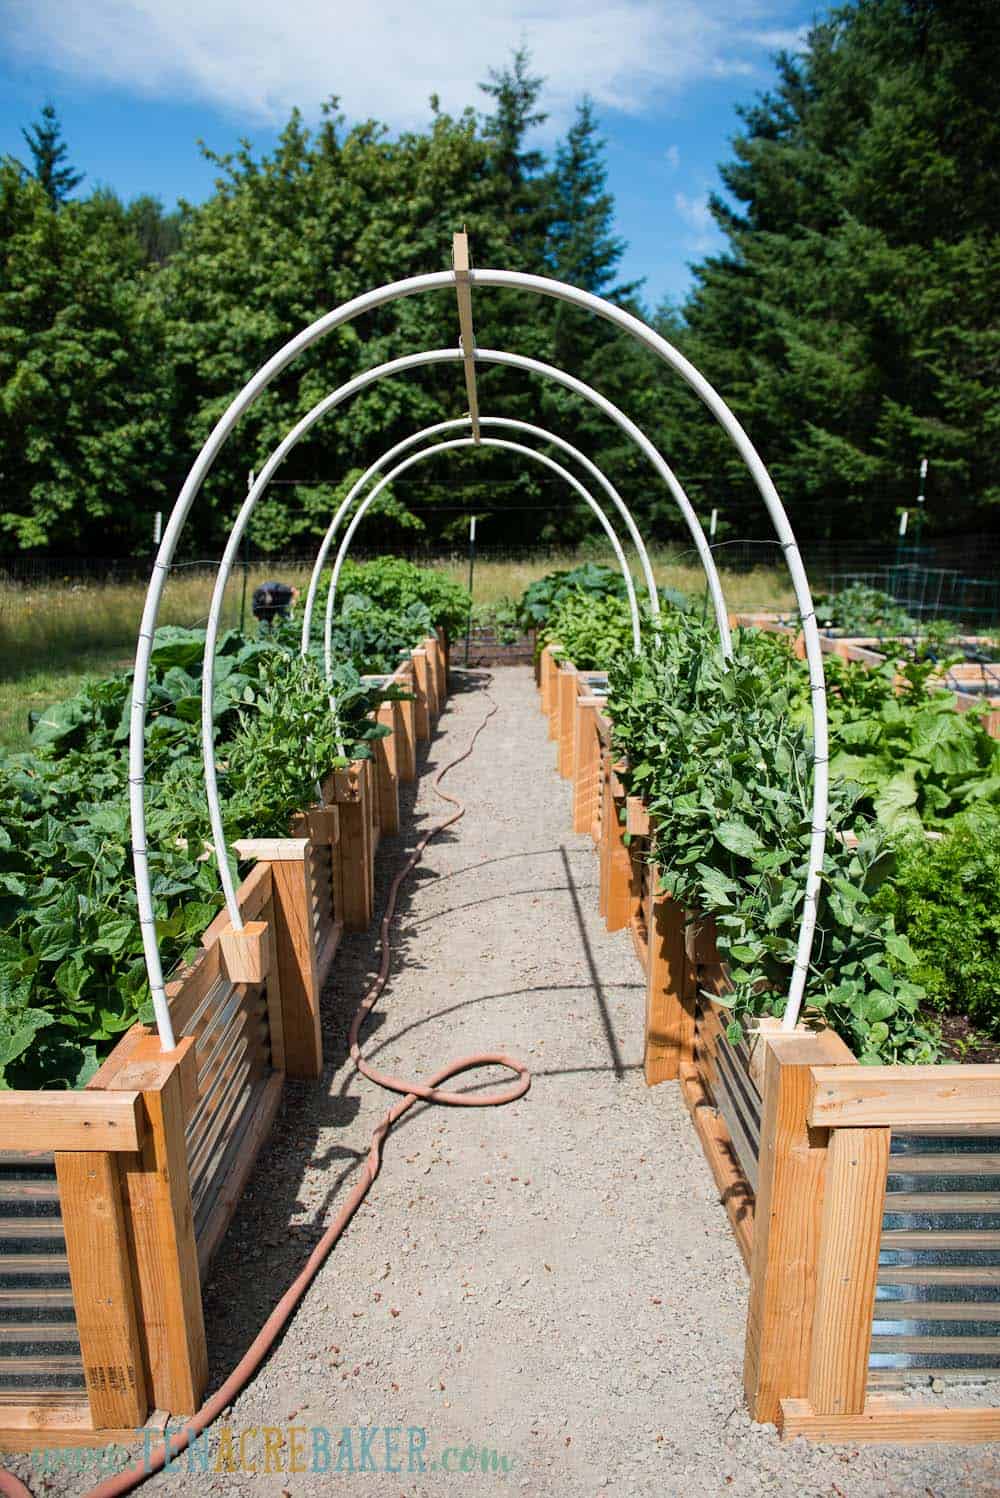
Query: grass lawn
point(53, 637)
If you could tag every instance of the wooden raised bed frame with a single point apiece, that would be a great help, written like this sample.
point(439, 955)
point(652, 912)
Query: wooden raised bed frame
point(811, 1229)
point(140, 1173)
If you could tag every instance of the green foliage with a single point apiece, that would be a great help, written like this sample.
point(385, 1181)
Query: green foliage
point(862, 611)
point(724, 764)
point(502, 616)
point(944, 899)
point(852, 318)
point(592, 579)
point(85, 395)
point(916, 761)
point(48, 154)
point(396, 585)
point(593, 629)
point(72, 976)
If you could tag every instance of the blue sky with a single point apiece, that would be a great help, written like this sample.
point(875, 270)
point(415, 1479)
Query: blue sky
point(137, 82)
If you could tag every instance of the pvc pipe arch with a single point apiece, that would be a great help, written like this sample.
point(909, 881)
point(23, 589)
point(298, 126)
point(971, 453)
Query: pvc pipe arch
point(453, 425)
point(462, 442)
point(203, 463)
point(291, 439)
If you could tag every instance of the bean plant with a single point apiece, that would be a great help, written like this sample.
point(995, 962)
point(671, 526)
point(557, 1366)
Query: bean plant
point(722, 757)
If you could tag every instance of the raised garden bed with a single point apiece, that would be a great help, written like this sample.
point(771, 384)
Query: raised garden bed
point(109, 1223)
point(865, 1200)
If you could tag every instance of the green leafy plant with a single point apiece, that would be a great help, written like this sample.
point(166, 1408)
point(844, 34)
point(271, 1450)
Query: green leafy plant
point(593, 629)
point(72, 976)
point(945, 897)
point(723, 761)
point(592, 579)
point(395, 585)
point(916, 761)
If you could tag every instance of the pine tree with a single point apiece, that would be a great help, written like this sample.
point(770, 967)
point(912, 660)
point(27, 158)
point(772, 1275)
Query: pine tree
point(49, 152)
point(518, 170)
point(583, 247)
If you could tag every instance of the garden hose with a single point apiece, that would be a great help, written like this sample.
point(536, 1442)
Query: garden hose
point(124, 1482)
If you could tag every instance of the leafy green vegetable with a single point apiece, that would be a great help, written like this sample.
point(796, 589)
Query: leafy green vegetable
point(592, 628)
point(722, 758)
point(72, 976)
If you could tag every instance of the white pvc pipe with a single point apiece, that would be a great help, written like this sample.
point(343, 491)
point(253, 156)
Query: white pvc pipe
point(218, 594)
point(256, 490)
point(457, 442)
point(448, 426)
point(446, 280)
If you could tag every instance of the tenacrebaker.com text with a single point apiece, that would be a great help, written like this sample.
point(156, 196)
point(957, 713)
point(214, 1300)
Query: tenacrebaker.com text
point(262, 1449)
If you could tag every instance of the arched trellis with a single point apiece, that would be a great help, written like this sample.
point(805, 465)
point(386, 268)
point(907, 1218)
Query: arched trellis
point(466, 442)
point(509, 423)
point(540, 285)
point(331, 402)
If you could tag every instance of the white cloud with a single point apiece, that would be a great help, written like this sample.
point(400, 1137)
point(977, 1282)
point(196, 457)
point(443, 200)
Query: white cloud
point(703, 233)
point(672, 156)
point(257, 58)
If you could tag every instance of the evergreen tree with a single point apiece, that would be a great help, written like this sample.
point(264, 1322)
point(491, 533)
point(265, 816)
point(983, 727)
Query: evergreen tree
point(850, 319)
point(583, 247)
point(49, 153)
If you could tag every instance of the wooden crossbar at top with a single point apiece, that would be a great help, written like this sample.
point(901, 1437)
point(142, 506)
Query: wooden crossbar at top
point(463, 288)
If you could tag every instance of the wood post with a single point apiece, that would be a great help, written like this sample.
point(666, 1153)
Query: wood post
point(441, 663)
point(566, 710)
point(853, 1205)
point(554, 693)
point(406, 721)
point(546, 671)
point(616, 866)
point(430, 648)
point(386, 768)
point(295, 972)
point(422, 705)
point(586, 764)
point(619, 898)
point(670, 999)
point(157, 1200)
point(354, 863)
point(787, 1221)
point(100, 1272)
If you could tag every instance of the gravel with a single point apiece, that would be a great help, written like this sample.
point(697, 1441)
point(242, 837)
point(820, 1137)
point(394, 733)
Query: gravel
point(554, 1281)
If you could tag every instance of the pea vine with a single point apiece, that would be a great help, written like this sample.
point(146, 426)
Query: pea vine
point(722, 758)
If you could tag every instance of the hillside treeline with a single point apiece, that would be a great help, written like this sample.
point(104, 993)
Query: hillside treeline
point(851, 320)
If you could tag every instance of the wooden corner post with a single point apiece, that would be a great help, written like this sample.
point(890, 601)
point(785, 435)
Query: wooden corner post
point(296, 971)
point(421, 674)
point(157, 1199)
point(787, 1221)
point(586, 764)
point(386, 767)
point(567, 685)
point(670, 998)
point(104, 1291)
point(406, 721)
point(354, 874)
point(850, 1233)
point(616, 865)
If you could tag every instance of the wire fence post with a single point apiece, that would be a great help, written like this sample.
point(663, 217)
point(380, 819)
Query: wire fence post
point(472, 572)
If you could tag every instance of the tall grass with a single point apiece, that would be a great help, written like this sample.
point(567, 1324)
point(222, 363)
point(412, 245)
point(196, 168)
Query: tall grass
point(53, 636)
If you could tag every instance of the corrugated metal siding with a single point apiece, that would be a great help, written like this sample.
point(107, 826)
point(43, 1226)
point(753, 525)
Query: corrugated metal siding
point(725, 1072)
point(39, 1342)
point(937, 1310)
point(230, 1025)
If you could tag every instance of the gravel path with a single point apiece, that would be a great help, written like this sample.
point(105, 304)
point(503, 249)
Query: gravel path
point(554, 1281)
